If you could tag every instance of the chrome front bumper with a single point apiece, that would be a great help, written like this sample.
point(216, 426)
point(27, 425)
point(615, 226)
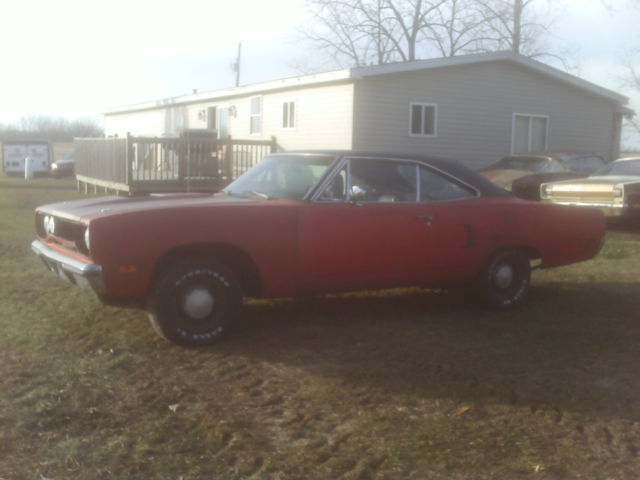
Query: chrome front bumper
point(609, 209)
point(82, 274)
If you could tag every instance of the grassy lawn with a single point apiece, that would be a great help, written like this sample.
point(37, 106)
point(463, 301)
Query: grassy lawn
point(406, 384)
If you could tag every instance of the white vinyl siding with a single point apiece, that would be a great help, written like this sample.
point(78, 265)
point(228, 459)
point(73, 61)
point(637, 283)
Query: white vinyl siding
point(529, 133)
point(475, 111)
point(255, 115)
point(422, 119)
point(289, 114)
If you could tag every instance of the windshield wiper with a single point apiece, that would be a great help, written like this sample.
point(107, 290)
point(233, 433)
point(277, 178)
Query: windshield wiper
point(246, 193)
point(260, 194)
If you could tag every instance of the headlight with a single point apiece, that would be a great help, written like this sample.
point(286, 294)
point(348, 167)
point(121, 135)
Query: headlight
point(49, 225)
point(87, 238)
point(618, 191)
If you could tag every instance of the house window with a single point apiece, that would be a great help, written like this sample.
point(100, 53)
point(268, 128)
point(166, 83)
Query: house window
point(422, 120)
point(255, 116)
point(529, 133)
point(289, 114)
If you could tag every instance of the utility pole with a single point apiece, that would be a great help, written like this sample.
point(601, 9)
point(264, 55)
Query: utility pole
point(236, 65)
point(517, 19)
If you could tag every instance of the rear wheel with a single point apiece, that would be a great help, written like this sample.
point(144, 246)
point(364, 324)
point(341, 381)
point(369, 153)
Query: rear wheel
point(194, 302)
point(504, 281)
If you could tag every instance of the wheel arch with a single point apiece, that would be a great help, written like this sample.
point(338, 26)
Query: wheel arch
point(231, 256)
point(532, 252)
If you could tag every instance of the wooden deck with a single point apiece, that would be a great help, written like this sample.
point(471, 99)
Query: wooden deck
point(140, 165)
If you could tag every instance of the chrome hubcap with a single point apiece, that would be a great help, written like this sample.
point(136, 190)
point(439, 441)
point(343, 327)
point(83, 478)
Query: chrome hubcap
point(503, 276)
point(198, 303)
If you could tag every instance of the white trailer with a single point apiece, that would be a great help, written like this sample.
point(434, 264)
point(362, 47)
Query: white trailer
point(14, 154)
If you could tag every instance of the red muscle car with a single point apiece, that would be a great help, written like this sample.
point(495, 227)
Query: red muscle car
point(310, 222)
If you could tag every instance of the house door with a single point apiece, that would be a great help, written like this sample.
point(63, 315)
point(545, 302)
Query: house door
point(223, 122)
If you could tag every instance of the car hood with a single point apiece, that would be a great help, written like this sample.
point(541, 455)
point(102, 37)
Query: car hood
point(64, 161)
point(91, 208)
point(504, 178)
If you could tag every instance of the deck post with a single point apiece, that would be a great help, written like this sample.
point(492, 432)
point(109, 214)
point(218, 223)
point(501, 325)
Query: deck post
point(128, 159)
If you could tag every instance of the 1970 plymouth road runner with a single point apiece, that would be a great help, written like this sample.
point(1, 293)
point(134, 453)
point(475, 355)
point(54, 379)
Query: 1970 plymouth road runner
point(310, 222)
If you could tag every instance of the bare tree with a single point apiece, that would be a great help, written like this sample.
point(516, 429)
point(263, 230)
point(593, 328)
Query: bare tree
point(50, 128)
point(458, 28)
point(370, 32)
point(515, 25)
point(373, 32)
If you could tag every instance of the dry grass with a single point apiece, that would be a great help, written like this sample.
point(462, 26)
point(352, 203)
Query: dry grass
point(408, 384)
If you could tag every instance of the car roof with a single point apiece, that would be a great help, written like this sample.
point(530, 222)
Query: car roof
point(449, 166)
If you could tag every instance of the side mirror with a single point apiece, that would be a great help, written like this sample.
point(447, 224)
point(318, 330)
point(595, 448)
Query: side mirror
point(357, 193)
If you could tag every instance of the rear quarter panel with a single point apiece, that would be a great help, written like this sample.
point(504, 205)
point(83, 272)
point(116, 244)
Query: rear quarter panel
point(560, 234)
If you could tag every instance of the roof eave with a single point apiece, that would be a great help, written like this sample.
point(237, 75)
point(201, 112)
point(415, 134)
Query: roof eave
point(357, 73)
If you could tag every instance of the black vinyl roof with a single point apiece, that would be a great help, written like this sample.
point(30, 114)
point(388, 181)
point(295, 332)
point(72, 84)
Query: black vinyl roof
point(452, 167)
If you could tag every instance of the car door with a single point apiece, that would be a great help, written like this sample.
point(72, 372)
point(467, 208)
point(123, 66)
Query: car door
point(459, 214)
point(366, 228)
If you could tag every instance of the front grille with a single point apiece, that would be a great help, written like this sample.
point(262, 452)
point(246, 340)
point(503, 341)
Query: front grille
point(590, 197)
point(67, 233)
point(581, 193)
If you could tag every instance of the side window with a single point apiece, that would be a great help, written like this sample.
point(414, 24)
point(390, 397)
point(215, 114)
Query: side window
point(382, 180)
point(436, 187)
point(373, 180)
point(585, 165)
point(593, 163)
point(554, 166)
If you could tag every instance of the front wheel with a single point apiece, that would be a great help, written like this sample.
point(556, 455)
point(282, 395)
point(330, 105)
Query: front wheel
point(504, 281)
point(194, 302)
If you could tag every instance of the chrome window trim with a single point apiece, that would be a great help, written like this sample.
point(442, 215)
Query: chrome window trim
point(321, 186)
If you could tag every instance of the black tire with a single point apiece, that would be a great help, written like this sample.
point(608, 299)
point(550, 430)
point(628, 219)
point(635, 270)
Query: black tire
point(194, 302)
point(504, 281)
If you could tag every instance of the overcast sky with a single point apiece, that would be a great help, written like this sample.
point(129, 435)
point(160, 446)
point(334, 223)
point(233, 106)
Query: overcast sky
point(76, 58)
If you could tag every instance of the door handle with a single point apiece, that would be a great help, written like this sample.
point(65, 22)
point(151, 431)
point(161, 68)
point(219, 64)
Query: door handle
point(428, 219)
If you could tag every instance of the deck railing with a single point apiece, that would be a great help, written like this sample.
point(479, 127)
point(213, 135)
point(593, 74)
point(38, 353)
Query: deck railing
point(152, 164)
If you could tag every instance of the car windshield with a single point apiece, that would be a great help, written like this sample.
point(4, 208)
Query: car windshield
point(625, 167)
point(67, 156)
point(281, 176)
point(530, 164)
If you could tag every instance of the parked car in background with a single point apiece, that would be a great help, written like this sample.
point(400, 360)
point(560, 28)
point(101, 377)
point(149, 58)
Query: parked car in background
point(523, 174)
point(65, 166)
point(614, 189)
point(309, 222)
